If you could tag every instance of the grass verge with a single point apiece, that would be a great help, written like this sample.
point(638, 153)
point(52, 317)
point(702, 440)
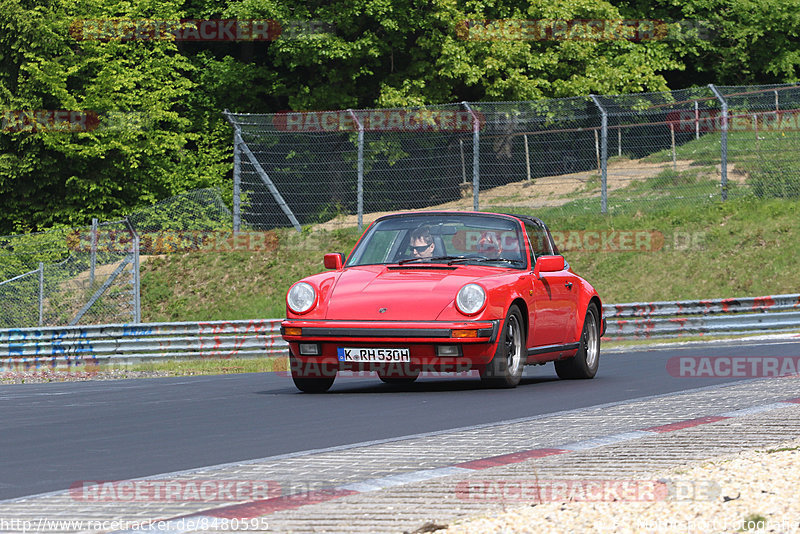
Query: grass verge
point(743, 247)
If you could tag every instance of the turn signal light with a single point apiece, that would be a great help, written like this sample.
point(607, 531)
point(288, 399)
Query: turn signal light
point(293, 331)
point(464, 333)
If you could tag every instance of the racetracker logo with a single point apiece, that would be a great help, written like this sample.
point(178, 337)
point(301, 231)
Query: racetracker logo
point(636, 30)
point(713, 121)
point(43, 120)
point(585, 490)
point(174, 30)
point(167, 241)
point(313, 369)
point(733, 366)
point(396, 120)
point(173, 490)
point(608, 240)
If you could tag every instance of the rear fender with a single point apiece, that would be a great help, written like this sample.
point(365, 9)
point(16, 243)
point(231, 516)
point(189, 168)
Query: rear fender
point(587, 296)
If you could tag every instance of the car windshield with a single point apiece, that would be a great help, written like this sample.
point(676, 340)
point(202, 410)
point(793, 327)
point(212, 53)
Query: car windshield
point(451, 239)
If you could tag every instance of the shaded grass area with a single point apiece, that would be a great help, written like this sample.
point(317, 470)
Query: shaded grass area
point(235, 284)
point(743, 247)
point(211, 366)
point(770, 158)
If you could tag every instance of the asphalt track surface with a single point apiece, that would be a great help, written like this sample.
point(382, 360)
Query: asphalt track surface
point(56, 434)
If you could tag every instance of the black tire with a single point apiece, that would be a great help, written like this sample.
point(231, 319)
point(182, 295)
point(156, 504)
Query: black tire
point(397, 373)
point(505, 369)
point(586, 361)
point(312, 377)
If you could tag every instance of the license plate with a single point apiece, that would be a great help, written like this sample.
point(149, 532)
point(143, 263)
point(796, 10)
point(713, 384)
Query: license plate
point(373, 355)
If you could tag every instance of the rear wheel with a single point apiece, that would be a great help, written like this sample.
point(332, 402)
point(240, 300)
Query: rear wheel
point(505, 369)
point(312, 377)
point(585, 362)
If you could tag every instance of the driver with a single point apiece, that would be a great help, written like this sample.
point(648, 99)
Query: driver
point(421, 242)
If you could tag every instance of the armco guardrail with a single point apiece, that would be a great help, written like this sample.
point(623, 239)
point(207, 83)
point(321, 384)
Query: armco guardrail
point(75, 345)
point(639, 320)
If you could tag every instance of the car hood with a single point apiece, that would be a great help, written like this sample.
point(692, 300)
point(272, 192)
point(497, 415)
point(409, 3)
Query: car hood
point(404, 294)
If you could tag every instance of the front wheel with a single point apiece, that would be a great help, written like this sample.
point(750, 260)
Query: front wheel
point(585, 362)
point(312, 377)
point(505, 369)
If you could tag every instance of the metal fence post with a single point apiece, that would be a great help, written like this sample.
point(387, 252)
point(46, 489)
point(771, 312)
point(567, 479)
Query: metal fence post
point(41, 292)
point(527, 158)
point(237, 138)
point(93, 253)
point(724, 143)
point(603, 155)
point(696, 120)
point(476, 139)
point(137, 299)
point(237, 181)
point(360, 170)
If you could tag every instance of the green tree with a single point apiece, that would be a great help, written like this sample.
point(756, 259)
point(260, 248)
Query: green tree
point(145, 144)
point(728, 42)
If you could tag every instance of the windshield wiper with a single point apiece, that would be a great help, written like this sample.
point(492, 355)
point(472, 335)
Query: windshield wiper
point(432, 260)
point(463, 258)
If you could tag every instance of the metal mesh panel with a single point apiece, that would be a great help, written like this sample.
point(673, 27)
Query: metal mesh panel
point(81, 288)
point(88, 275)
point(656, 157)
point(657, 150)
point(182, 223)
point(548, 148)
point(763, 138)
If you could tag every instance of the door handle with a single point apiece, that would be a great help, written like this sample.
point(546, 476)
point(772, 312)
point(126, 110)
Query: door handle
point(568, 285)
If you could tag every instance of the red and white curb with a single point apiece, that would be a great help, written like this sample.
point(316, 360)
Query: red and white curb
point(216, 517)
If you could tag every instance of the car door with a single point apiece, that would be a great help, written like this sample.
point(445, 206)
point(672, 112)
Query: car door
point(553, 305)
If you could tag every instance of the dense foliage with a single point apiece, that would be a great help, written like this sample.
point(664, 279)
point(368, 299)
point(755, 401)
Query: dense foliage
point(156, 103)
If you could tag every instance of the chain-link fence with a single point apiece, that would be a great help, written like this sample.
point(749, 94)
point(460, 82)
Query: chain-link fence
point(597, 154)
point(90, 275)
point(79, 276)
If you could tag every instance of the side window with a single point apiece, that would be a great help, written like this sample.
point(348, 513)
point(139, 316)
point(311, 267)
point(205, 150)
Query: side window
point(539, 242)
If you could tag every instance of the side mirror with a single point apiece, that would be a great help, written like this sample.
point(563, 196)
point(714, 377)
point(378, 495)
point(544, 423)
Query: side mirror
point(548, 264)
point(334, 260)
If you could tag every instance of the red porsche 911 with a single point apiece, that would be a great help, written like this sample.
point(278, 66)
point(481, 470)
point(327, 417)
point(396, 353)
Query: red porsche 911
point(444, 292)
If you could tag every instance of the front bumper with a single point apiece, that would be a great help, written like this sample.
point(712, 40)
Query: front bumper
point(420, 337)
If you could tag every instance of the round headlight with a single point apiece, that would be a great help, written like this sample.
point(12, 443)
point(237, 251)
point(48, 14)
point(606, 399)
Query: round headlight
point(301, 297)
point(470, 299)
